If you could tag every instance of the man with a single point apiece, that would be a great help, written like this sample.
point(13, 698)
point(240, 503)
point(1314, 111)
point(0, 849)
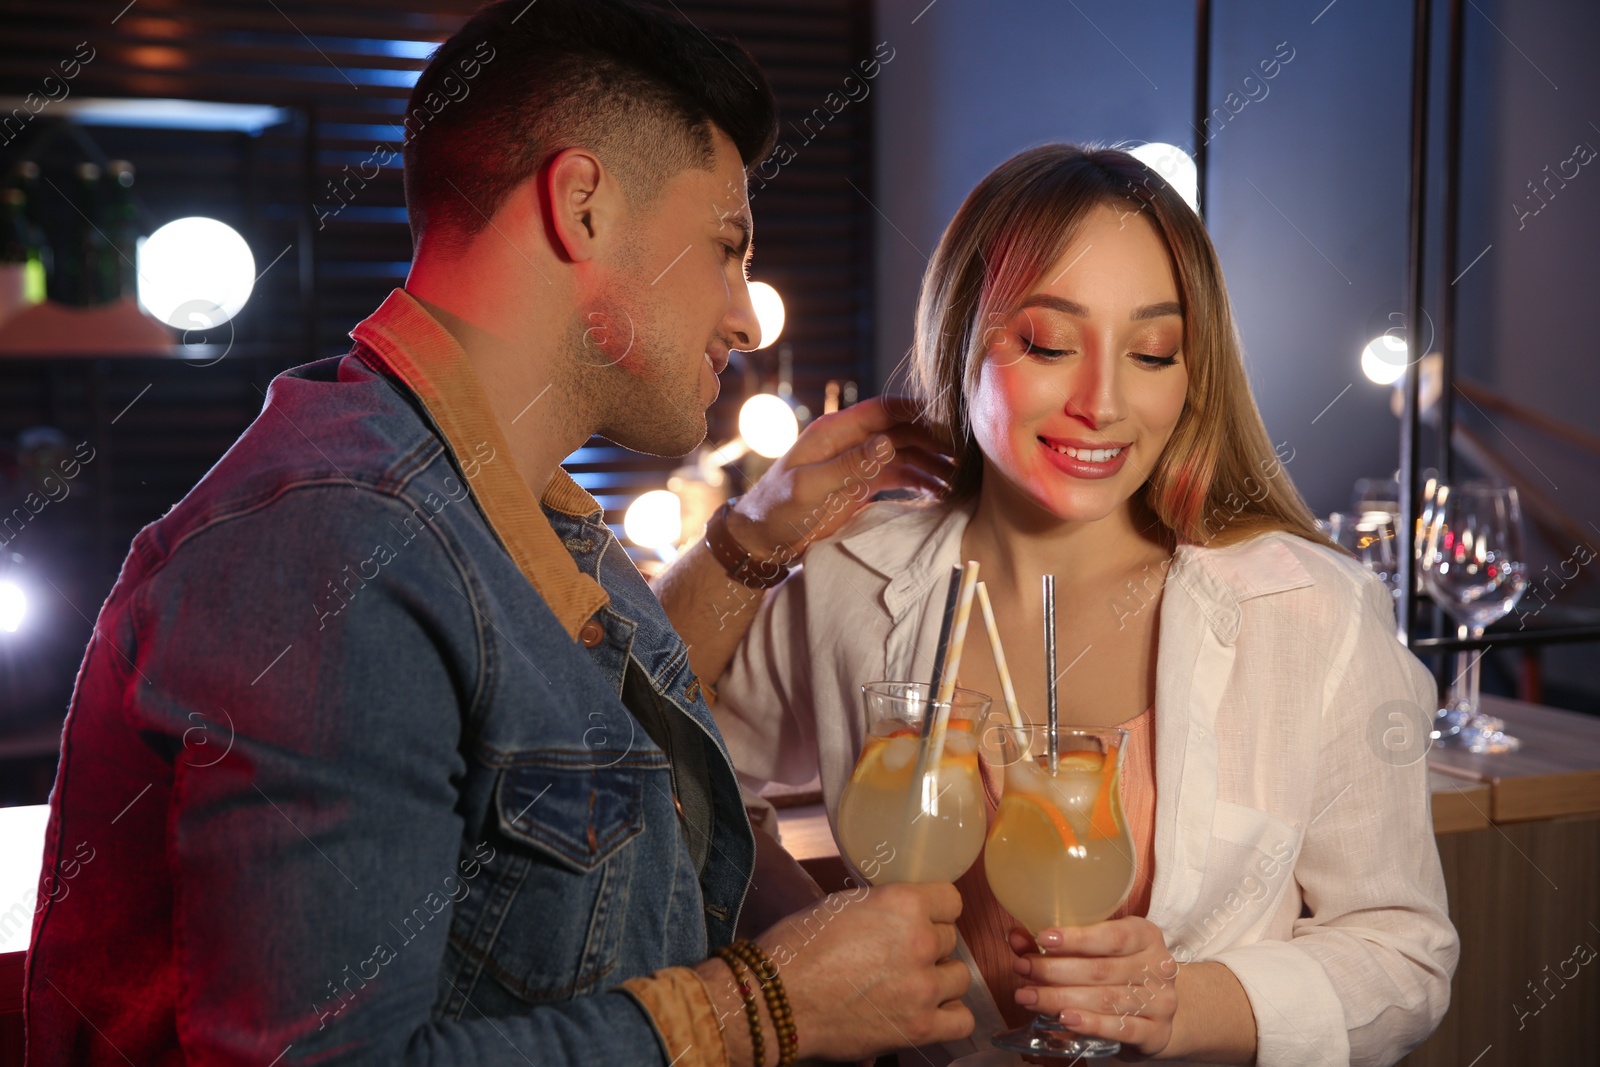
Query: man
point(382, 750)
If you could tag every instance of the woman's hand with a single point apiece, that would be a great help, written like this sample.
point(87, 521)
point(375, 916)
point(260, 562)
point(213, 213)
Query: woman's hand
point(1114, 980)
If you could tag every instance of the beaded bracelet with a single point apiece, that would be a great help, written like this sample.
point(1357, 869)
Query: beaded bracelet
point(777, 999)
point(752, 1013)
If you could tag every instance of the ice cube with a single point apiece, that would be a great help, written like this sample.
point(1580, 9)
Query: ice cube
point(963, 744)
point(899, 753)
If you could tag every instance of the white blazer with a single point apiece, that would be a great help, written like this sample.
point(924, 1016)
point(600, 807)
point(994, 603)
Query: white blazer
point(1293, 833)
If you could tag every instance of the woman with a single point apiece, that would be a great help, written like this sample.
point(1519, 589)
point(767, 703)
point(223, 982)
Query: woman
point(1074, 339)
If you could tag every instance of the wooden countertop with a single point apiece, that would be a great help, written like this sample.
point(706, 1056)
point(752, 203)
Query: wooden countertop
point(1555, 773)
point(805, 832)
point(1458, 803)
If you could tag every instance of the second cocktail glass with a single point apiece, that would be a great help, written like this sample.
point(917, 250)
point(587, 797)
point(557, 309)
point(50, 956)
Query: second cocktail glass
point(1059, 852)
point(893, 828)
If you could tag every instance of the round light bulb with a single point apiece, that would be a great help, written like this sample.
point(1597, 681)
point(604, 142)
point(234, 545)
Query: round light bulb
point(1176, 166)
point(13, 606)
point(655, 520)
point(195, 273)
point(769, 311)
point(768, 425)
point(1384, 359)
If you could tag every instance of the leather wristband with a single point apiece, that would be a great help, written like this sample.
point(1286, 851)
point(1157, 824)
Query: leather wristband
point(740, 565)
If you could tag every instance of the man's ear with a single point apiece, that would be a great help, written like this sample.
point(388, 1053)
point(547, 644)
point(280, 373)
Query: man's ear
point(585, 203)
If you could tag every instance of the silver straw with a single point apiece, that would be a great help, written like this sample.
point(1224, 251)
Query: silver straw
point(1052, 715)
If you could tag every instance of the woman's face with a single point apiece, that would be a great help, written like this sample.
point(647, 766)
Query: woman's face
point(1081, 387)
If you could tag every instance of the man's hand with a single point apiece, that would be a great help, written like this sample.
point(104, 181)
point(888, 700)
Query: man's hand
point(1113, 979)
point(866, 972)
point(838, 463)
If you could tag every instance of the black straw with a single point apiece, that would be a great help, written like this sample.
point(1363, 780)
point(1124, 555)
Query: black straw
point(950, 601)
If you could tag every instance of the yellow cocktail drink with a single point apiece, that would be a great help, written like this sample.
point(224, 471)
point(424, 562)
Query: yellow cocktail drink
point(894, 826)
point(1059, 853)
point(884, 830)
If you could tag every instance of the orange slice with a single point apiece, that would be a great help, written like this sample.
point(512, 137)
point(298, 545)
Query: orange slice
point(1029, 818)
point(870, 764)
point(1101, 822)
point(1090, 762)
point(966, 726)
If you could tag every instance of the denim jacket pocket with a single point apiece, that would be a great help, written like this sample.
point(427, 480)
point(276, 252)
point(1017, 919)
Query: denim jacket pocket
point(576, 862)
point(574, 810)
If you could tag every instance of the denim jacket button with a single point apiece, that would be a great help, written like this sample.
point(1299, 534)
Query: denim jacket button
point(592, 633)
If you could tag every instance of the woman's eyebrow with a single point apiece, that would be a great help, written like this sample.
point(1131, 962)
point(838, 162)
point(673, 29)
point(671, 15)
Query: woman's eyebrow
point(1071, 307)
point(1157, 311)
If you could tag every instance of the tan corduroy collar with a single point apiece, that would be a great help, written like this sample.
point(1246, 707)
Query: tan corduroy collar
point(424, 355)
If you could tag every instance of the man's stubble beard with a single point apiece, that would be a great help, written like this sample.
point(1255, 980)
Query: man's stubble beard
point(641, 399)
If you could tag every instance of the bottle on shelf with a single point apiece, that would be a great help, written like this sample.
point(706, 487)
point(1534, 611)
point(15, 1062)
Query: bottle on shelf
point(22, 280)
point(66, 276)
point(122, 227)
point(85, 271)
point(25, 176)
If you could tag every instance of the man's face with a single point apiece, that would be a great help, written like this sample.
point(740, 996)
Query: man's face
point(673, 306)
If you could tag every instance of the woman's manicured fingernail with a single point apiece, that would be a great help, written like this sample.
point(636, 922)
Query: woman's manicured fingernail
point(1022, 965)
point(1071, 1018)
point(1027, 997)
point(1050, 939)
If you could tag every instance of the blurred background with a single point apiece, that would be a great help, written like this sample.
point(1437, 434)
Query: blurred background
point(1289, 122)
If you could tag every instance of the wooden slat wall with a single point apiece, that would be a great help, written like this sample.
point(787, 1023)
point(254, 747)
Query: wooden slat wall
point(349, 64)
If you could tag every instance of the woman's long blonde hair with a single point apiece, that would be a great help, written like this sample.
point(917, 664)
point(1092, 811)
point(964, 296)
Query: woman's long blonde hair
point(1219, 480)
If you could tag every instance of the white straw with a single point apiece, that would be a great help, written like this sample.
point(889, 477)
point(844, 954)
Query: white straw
point(1007, 690)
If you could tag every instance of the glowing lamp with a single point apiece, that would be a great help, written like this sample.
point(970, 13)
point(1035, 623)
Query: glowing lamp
point(1384, 359)
point(768, 425)
point(1176, 166)
point(769, 311)
point(195, 273)
point(13, 607)
point(655, 520)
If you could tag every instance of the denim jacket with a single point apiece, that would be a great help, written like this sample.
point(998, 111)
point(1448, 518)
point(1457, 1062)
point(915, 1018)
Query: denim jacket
point(339, 785)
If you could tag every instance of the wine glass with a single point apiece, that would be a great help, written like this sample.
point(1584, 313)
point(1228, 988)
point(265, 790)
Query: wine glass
point(894, 828)
point(1376, 494)
point(1383, 495)
point(1059, 852)
point(1473, 566)
point(1370, 537)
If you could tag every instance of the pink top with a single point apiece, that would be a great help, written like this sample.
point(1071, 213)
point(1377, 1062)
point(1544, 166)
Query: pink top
point(984, 924)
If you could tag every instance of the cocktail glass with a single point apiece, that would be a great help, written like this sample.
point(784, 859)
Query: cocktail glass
point(1059, 852)
point(894, 828)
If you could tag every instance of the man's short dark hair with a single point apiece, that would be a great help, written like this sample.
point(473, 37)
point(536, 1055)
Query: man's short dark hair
point(521, 81)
